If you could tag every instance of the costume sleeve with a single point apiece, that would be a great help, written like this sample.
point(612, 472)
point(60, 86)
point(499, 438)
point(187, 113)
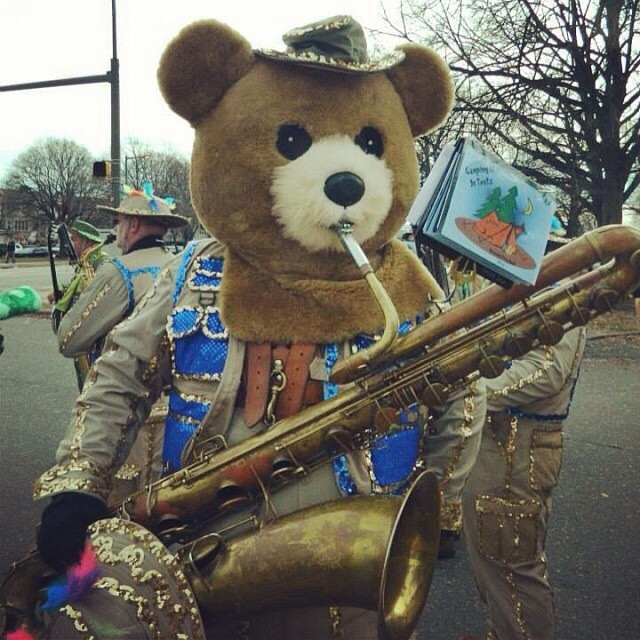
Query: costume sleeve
point(539, 375)
point(100, 306)
point(120, 390)
point(453, 442)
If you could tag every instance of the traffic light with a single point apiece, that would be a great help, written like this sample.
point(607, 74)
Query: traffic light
point(102, 169)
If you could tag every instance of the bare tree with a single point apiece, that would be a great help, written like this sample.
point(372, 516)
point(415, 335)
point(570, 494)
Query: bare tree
point(53, 177)
point(558, 82)
point(167, 171)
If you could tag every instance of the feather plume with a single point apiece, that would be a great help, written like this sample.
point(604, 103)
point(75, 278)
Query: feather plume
point(77, 580)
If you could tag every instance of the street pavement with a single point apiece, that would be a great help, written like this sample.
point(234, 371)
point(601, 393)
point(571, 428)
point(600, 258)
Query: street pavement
point(36, 274)
point(593, 543)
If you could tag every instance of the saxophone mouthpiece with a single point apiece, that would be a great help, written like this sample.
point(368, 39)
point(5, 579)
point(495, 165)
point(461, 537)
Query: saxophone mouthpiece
point(344, 229)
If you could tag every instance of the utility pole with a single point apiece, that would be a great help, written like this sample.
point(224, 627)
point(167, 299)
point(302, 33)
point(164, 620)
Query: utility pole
point(113, 78)
point(115, 112)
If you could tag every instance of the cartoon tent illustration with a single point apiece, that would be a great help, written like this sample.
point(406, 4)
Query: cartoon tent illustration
point(495, 229)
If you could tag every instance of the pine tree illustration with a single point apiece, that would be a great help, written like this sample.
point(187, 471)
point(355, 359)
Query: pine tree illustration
point(506, 210)
point(492, 203)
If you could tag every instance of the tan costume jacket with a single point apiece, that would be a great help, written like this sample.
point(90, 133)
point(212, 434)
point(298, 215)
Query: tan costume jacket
point(137, 365)
point(112, 294)
point(108, 298)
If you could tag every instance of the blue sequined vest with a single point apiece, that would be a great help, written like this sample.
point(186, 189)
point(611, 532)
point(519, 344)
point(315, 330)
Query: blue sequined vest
point(199, 345)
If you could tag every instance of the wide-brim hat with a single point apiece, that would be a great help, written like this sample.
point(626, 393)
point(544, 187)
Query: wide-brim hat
point(334, 44)
point(149, 208)
point(139, 593)
point(85, 229)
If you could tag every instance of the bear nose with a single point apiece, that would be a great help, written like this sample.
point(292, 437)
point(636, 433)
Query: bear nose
point(344, 188)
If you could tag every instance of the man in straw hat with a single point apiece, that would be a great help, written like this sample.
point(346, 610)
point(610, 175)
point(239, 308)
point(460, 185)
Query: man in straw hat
point(141, 220)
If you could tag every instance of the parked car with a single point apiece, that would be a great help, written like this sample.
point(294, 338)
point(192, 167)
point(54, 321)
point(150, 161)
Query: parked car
point(3, 248)
point(25, 250)
point(31, 251)
point(34, 251)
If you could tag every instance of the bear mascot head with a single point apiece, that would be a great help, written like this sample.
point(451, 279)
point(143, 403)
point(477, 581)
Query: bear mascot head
point(288, 146)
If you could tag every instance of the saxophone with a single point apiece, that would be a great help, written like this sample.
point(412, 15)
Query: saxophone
point(475, 338)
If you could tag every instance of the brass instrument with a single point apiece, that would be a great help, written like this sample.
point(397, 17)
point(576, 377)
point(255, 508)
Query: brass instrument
point(476, 337)
point(372, 552)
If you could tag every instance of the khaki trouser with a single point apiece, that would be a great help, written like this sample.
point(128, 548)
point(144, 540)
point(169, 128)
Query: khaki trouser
point(506, 506)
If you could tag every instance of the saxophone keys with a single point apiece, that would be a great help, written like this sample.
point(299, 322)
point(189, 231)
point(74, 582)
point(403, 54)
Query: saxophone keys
point(605, 299)
point(434, 394)
point(550, 332)
point(231, 494)
point(490, 366)
point(385, 418)
point(339, 440)
point(517, 344)
point(284, 467)
point(580, 316)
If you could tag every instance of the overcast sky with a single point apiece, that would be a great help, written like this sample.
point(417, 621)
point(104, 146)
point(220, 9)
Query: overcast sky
point(55, 39)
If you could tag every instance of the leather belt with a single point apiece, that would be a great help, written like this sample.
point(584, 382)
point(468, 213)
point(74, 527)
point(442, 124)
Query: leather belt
point(296, 369)
point(298, 391)
point(258, 370)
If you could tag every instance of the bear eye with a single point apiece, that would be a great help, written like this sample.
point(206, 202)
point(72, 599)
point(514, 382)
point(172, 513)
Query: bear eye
point(370, 141)
point(293, 140)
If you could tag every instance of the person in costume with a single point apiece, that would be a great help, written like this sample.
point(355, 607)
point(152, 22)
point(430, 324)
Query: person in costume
point(508, 496)
point(11, 251)
point(288, 146)
point(140, 222)
point(87, 244)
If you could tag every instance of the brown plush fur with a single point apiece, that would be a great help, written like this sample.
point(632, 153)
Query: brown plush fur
point(316, 310)
point(275, 289)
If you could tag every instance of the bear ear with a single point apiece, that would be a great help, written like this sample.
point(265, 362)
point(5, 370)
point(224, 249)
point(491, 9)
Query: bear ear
point(199, 65)
point(424, 83)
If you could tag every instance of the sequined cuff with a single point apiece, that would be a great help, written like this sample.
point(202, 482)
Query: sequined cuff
point(450, 516)
point(72, 476)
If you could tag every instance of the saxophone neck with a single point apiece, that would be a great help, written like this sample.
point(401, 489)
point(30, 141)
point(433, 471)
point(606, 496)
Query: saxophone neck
point(360, 362)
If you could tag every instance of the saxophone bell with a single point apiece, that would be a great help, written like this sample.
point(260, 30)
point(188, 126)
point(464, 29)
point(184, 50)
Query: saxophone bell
point(372, 552)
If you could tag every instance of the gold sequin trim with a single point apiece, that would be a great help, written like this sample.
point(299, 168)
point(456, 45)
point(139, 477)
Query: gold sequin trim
point(154, 362)
point(450, 515)
point(527, 380)
point(61, 478)
point(78, 623)
point(84, 315)
point(127, 471)
point(512, 519)
point(464, 430)
point(178, 604)
point(508, 447)
point(517, 605)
